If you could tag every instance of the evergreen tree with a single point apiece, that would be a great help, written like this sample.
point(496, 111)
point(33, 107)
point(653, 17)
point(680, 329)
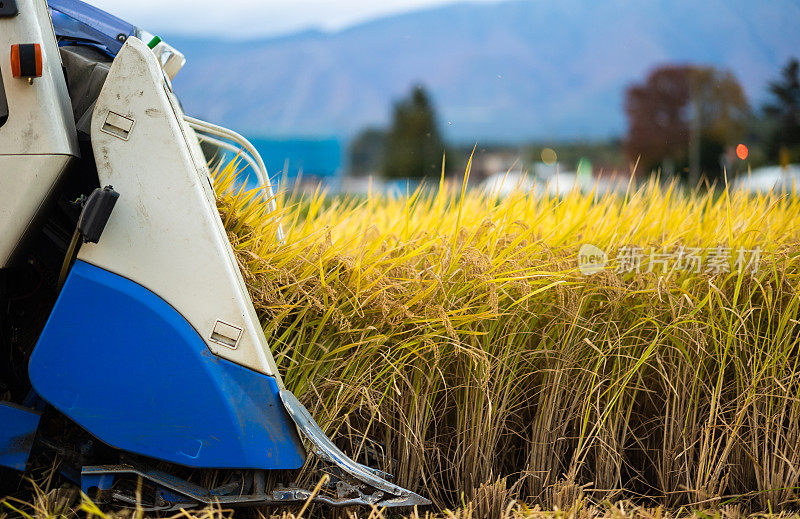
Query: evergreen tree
point(784, 112)
point(366, 152)
point(414, 147)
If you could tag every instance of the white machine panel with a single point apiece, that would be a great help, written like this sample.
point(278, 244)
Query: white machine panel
point(38, 139)
point(165, 232)
point(40, 114)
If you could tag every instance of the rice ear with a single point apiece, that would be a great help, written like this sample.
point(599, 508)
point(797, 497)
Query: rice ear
point(449, 337)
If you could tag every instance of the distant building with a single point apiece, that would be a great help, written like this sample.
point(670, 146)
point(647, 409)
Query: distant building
point(308, 160)
point(771, 178)
point(552, 180)
point(489, 161)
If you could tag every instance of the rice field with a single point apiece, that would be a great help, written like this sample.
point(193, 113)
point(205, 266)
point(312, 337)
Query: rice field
point(459, 342)
point(531, 357)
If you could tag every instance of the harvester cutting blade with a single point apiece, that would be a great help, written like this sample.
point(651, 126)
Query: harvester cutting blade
point(326, 450)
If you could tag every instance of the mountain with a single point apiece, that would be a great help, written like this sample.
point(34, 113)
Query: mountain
point(508, 71)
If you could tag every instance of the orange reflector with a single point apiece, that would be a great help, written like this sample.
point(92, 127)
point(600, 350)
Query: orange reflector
point(742, 152)
point(26, 60)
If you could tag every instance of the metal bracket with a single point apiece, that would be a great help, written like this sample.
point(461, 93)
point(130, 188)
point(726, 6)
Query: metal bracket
point(176, 493)
point(325, 449)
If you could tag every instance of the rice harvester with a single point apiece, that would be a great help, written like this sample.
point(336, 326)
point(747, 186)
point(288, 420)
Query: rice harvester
point(131, 349)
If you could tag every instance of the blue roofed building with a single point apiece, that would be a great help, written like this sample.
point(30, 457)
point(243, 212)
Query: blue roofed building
point(311, 160)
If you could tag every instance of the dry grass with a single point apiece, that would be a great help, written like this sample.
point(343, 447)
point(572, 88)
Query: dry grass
point(54, 505)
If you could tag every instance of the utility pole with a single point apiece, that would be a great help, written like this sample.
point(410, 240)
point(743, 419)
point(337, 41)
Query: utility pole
point(694, 140)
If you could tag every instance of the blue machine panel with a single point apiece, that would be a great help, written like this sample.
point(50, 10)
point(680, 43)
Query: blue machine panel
point(128, 368)
point(17, 433)
point(77, 21)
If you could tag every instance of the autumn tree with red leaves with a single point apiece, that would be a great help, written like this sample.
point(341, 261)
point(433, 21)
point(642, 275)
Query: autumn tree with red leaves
point(682, 118)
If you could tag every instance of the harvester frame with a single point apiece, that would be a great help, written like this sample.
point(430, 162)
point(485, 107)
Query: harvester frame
point(136, 355)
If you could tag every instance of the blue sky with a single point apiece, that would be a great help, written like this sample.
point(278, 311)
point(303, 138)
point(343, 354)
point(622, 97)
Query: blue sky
point(238, 19)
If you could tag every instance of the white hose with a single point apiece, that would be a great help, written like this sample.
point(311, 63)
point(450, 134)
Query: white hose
point(246, 150)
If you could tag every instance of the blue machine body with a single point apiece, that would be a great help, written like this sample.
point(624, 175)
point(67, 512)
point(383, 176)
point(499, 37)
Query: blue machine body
point(127, 367)
point(79, 22)
point(16, 435)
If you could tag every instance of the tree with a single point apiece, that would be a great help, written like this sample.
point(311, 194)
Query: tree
point(414, 147)
point(657, 128)
point(366, 152)
point(784, 112)
point(683, 117)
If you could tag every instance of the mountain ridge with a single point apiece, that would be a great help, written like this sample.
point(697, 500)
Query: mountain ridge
point(507, 71)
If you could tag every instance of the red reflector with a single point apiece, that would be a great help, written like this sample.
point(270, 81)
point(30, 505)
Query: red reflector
point(742, 152)
point(26, 60)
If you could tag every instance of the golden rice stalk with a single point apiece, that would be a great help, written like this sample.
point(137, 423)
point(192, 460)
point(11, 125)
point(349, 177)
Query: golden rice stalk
point(451, 337)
